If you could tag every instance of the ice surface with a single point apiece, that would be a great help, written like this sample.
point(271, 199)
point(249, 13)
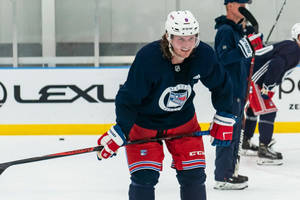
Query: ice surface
point(84, 177)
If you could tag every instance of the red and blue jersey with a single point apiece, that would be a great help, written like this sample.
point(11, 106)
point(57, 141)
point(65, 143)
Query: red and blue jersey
point(159, 95)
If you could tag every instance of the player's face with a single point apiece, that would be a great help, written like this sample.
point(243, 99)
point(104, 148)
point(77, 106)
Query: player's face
point(234, 10)
point(298, 40)
point(183, 45)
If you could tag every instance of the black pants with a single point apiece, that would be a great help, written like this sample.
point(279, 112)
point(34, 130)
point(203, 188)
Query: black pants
point(265, 126)
point(226, 157)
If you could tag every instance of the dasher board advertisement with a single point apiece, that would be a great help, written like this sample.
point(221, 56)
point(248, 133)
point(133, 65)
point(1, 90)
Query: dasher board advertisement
point(85, 96)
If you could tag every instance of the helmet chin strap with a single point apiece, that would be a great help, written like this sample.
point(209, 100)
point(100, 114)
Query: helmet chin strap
point(171, 48)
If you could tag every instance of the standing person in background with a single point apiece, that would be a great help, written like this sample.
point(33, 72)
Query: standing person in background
point(157, 100)
point(271, 65)
point(234, 52)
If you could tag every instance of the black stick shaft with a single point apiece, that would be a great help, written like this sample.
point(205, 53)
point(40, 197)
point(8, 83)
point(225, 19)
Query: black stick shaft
point(4, 166)
point(248, 15)
point(276, 20)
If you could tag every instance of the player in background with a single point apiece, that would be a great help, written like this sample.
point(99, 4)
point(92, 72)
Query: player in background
point(157, 100)
point(272, 63)
point(234, 52)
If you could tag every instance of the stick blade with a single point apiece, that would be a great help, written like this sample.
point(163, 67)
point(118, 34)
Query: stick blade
point(3, 168)
point(248, 15)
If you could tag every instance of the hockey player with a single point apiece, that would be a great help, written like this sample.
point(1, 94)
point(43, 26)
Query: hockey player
point(157, 100)
point(234, 52)
point(271, 65)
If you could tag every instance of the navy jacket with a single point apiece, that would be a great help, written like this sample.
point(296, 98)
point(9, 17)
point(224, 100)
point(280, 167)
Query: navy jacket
point(272, 62)
point(229, 54)
point(156, 96)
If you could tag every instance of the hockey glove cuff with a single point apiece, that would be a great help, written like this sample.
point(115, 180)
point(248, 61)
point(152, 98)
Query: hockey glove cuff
point(245, 46)
point(222, 128)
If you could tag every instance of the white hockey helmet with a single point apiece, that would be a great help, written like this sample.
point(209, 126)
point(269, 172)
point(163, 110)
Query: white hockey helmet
point(296, 31)
point(181, 23)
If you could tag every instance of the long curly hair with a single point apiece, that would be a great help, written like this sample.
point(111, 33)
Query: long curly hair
point(164, 46)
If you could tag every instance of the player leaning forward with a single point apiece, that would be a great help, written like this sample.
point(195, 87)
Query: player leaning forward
point(272, 65)
point(157, 100)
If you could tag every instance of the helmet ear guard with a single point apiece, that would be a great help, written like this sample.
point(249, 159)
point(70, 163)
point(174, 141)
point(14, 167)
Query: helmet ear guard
point(295, 31)
point(182, 23)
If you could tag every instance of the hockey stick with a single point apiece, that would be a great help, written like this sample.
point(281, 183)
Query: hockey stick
point(237, 165)
point(276, 20)
point(254, 23)
point(4, 166)
point(248, 15)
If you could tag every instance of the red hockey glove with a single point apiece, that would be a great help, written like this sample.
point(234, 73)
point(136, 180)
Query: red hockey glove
point(221, 129)
point(111, 141)
point(250, 44)
point(261, 100)
point(256, 41)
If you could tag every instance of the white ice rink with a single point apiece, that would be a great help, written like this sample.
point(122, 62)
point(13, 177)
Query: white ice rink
point(83, 177)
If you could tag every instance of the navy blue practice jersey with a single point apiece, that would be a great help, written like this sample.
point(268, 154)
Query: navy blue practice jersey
point(159, 95)
point(229, 54)
point(272, 62)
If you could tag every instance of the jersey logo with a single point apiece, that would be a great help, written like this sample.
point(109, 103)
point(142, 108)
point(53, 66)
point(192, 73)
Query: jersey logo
point(177, 68)
point(143, 152)
point(174, 98)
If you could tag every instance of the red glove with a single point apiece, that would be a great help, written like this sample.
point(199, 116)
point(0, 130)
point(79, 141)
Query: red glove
point(222, 128)
point(111, 141)
point(261, 100)
point(256, 41)
point(250, 44)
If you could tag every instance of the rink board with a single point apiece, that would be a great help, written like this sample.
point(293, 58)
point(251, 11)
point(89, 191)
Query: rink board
point(80, 100)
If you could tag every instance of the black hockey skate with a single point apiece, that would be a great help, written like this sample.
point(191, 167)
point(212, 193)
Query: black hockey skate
point(248, 148)
point(267, 156)
point(233, 183)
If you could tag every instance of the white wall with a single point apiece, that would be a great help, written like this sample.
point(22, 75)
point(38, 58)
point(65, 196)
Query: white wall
point(134, 20)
